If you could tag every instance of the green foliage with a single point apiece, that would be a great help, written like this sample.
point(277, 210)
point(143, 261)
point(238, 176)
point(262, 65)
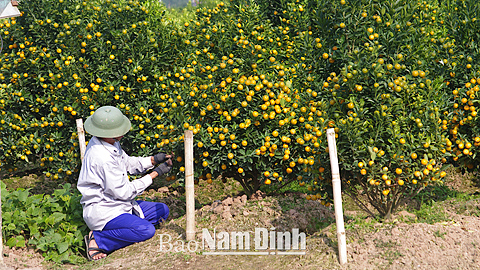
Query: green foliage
point(82, 55)
point(434, 200)
point(459, 53)
point(52, 224)
point(258, 83)
point(438, 193)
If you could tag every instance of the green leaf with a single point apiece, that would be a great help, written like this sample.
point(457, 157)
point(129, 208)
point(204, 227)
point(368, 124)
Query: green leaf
point(11, 226)
point(33, 228)
point(62, 247)
point(7, 216)
point(58, 216)
point(373, 155)
point(20, 241)
point(55, 237)
point(22, 195)
point(12, 242)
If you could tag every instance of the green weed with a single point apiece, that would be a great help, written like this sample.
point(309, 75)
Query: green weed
point(52, 224)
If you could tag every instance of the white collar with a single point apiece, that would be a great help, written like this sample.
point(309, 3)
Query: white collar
point(114, 149)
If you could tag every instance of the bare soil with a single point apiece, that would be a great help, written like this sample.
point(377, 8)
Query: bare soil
point(403, 242)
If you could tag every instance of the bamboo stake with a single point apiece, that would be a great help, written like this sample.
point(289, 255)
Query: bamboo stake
point(81, 138)
point(189, 186)
point(337, 196)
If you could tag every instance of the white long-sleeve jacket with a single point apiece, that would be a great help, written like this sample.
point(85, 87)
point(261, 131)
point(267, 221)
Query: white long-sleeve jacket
point(103, 181)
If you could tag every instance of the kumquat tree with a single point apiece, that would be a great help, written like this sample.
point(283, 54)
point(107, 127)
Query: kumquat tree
point(258, 83)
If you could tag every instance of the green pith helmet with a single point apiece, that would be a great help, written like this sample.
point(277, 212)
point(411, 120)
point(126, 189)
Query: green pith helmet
point(107, 122)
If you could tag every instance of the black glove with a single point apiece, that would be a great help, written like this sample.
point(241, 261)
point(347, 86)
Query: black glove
point(163, 168)
point(159, 158)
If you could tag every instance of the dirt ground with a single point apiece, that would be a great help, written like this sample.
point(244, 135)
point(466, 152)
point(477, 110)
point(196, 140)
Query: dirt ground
point(400, 243)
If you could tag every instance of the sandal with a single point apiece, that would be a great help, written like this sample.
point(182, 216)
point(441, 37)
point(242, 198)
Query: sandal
point(88, 239)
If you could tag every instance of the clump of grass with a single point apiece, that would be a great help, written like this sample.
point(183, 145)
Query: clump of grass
point(283, 187)
point(219, 189)
point(431, 204)
point(470, 207)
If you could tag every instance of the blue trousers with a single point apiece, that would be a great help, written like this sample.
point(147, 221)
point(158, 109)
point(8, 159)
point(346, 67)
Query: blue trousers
point(127, 229)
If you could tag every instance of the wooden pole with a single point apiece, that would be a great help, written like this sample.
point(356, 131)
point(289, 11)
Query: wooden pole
point(337, 196)
point(189, 186)
point(81, 138)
